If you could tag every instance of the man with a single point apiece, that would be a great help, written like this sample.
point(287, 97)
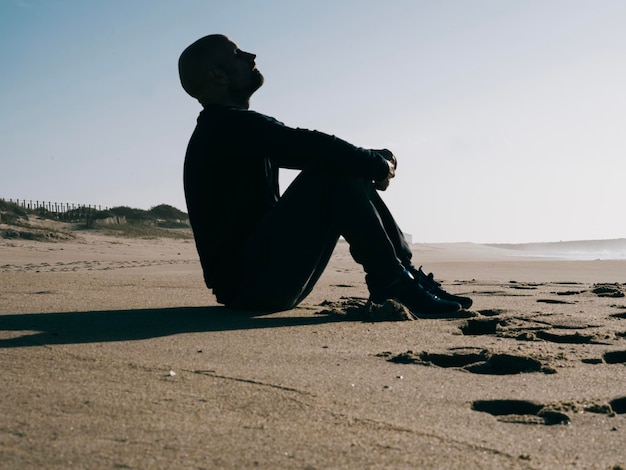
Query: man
point(264, 252)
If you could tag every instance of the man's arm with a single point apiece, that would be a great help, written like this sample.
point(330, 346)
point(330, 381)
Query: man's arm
point(301, 148)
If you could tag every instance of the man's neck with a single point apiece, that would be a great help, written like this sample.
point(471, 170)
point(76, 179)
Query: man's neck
point(227, 102)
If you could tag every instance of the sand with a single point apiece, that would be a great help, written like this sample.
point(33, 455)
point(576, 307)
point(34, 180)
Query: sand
point(115, 355)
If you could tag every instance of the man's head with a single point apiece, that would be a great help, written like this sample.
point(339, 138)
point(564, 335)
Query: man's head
point(215, 71)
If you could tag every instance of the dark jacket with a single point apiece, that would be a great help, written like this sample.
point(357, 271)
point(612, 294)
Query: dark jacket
point(231, 177)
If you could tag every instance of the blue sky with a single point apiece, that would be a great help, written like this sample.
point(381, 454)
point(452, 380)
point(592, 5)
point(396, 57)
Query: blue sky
point(507, 118)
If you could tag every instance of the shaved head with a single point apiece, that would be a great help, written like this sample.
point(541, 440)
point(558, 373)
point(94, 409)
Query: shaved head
point(199, 58)
point(214, 69)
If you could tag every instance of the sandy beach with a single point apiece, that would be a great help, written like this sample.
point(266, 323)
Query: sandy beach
point(115, 355)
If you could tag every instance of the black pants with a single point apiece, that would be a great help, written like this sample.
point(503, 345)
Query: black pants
point(290, 248)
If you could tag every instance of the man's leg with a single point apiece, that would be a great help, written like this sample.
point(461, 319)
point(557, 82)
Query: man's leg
point(404, 254)
point(400, 245)
point(288, 252)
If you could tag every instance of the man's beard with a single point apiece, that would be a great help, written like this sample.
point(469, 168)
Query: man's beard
point(256, 82)
point(244, 93)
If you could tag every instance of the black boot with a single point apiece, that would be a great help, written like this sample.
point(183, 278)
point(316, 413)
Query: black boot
point(415, 297)
point(432, 286)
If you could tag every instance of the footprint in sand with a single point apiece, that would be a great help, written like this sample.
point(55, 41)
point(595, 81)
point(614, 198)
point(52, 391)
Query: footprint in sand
point(608, 290)
point(569, 292)
point(474, 361)
point(521, 411)
point(523, 286)
point(568, 338)
point(614, 357)
point(618, 405)
point(506, 364)
point(505, 327)
point(530, 412)
point(554, 301)
point(482, 326)
point(492, 312)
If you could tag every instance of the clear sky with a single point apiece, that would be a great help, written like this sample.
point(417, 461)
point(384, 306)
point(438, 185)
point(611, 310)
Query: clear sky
point(508, 118)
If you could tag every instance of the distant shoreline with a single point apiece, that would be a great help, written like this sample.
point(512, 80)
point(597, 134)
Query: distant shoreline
point(614, 249)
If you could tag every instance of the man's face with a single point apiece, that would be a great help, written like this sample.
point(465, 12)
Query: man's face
point(243, 77)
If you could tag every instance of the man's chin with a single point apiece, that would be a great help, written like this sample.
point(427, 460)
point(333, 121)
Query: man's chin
point(260, 79)
point(244, 93)
point(256, 85)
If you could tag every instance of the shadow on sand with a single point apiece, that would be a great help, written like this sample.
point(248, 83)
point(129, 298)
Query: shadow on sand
point(128, 325)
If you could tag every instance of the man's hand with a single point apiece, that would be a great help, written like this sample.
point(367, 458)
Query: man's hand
point(392, 162)
point(388, 155)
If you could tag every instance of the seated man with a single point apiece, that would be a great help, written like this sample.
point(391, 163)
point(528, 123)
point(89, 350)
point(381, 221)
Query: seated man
point(259, 250)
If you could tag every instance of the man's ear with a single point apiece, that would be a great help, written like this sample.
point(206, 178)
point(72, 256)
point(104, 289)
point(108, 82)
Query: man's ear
point(217, 77)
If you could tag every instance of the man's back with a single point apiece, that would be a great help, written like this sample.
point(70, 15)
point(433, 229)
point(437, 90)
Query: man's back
point(229, 185)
